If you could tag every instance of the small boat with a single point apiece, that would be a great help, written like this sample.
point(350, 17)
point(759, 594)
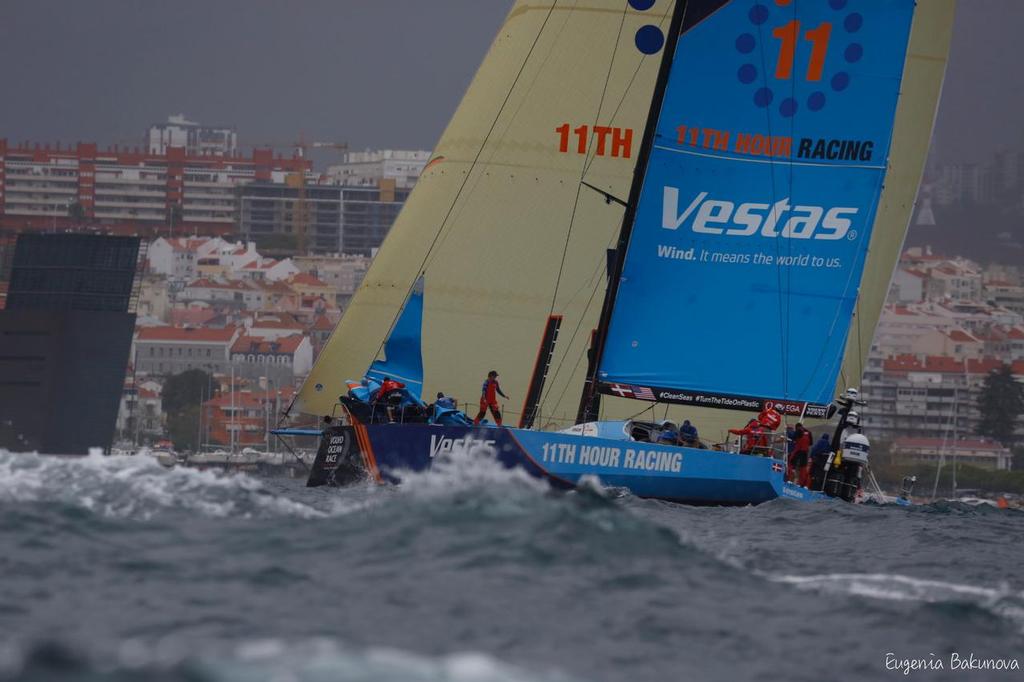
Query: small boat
point(753, 164)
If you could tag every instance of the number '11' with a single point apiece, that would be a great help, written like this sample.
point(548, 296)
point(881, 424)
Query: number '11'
point(818, 38)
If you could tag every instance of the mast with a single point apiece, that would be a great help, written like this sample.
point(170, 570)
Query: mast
point(587, 410)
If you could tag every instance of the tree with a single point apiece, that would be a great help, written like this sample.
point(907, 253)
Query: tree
point(185, 390)
point(1001, 404)
point(276, 243)
point(183, 428)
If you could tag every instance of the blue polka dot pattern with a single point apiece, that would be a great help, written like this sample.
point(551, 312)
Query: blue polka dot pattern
point(641, 5)
point(745, 43)
point(649, 39)
point(758, 14)
point(748, 74)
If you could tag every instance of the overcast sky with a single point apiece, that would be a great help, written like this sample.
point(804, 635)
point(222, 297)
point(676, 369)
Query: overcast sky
point(374, 73)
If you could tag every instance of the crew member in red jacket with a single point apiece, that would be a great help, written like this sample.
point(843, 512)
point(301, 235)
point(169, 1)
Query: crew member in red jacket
point(754, 433)
point(489, 393)
point(800, 440)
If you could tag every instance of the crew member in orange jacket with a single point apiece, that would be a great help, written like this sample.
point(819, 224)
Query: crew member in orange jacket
point(489, 393)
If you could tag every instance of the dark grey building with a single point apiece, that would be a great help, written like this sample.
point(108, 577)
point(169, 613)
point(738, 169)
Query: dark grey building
point(351, 220)
point(268, 210)
point(368, 214)
point(65, 339)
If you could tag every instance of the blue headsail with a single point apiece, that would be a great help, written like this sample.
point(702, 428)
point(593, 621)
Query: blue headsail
point(403, 356)
point(757, 207)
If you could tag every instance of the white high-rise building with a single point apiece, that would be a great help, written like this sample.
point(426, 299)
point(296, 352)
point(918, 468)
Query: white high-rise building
point(368, 168)
point(198, 140)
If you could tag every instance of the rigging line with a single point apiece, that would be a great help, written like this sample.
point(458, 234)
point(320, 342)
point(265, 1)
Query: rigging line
point(469, 172)
point(579, 323)
point(592, 156)
point(789, 243)
point(572, 337)
point(860, 343)
point(774, 212)
point(872, 210)
point(583, 166)
point(629, 86)
point(511, 119)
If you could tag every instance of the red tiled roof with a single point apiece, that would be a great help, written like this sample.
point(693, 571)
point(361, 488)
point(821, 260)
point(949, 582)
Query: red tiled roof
point(285, 345)
point(197, 334)
point(232, 284)
point(252, 398)
point(943, 364)
point(960, 335)
point(276, 287)
point(307, 279)
point(322, 324)
point(277, 324)
point(242, 400)
point(185, 244)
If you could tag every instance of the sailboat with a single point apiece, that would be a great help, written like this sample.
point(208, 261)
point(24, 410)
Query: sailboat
point(693, 207)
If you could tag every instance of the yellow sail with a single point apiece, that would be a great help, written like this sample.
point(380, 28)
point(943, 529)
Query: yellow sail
point(499, 224)
point(923, 74)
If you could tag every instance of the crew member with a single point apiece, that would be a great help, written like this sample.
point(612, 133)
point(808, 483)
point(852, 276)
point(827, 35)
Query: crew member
point(754, 434)
point(688, 434)
point(447, 402)
point(800, 441)
point(489, 393)
point(387, 386)
point(819, 457)
point(668, 434)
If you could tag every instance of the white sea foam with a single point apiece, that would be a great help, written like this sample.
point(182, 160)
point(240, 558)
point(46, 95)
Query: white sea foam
point(1001, 601)
point(269, 660)
point(476, 468)
point(139, 486)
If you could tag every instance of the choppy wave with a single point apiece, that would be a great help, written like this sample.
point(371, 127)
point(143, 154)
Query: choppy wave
point(139, 487)
point(265, 660)
point(1003, 601)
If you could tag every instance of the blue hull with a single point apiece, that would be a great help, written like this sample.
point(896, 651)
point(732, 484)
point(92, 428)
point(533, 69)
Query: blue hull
point(675, 473)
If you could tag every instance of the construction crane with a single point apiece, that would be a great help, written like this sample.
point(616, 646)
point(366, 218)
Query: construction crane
point(297, 179)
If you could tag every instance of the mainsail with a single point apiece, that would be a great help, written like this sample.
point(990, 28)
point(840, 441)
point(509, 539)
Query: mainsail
point(760, 201)
point(500, 222)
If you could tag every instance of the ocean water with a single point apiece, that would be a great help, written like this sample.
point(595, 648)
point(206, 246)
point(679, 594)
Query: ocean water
point(117, 569)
